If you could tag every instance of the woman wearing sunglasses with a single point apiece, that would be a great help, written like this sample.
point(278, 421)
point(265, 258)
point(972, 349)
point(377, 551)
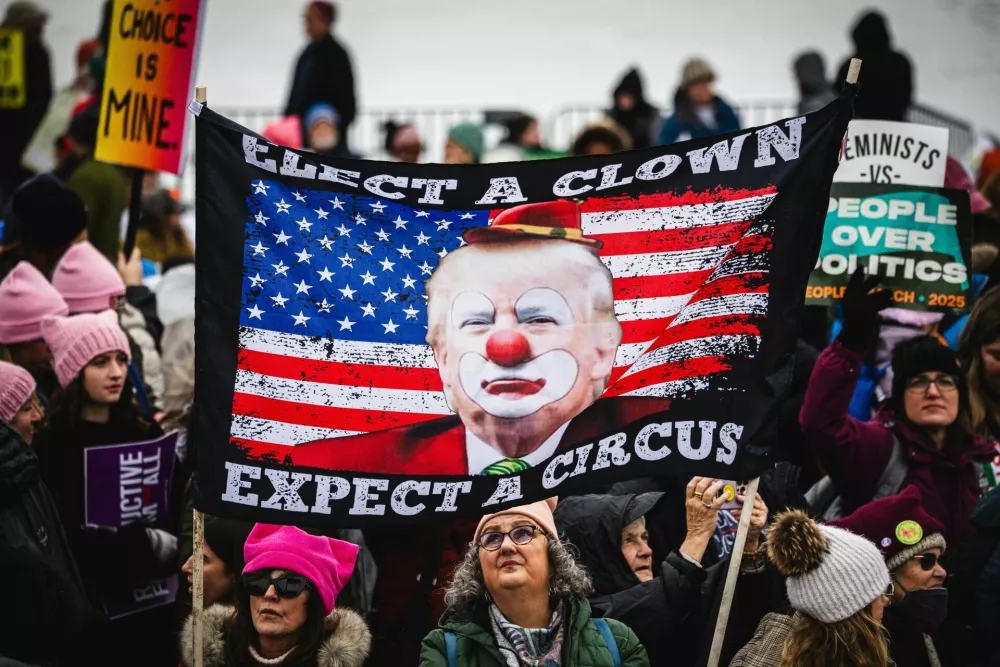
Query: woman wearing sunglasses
point(284, 613)
point(912, 543)
point(921, 435)
point(839, 588)
point(518, 599)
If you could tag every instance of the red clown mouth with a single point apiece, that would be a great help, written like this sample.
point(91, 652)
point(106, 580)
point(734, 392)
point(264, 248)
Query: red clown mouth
point(514, 388)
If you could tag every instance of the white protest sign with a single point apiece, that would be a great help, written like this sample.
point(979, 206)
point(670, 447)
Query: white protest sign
point(881, 151)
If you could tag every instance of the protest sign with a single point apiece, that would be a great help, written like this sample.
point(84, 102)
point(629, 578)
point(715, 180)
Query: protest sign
point(128, 482)
point(917, 240)
point(148, 595)
point(12, 93)
point(891, 153)
point(148, 82)
point(387, 342)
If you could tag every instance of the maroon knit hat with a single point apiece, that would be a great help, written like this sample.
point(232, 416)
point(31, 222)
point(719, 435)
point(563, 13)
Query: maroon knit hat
point(899, 525)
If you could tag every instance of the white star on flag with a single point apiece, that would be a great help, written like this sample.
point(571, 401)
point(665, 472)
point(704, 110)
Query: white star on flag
point(323, 215)
point(346, 323)
point(325, 274)
point(467, 216)
point(303, 256)
point(346, 260)
point(282, 237)
point(404, 251)
point(423, 214)
point(442, 252)
point(344, 231)
point(390, 327)
point(280, 267)
point(368, 278)
point(324, 307)
point(382, 235)
point(279, 300)
point(337, 203)
point(361, 221)
point(302, 287)
point(389, 295)
point(303, 225)
point(260, 188)
point(461, 242)
point(378, 206)
point(261, 218)
point(426, 269)
point(443, 224)
point(347, 292)
point(369, 310)
point(387, 265)
point(255, 312)
point(400, 223)
point(301, 319)
point(282, 206)
point(256, 281)
point(422, 239)
point(365, 248)
point(260, 249)
point(411, 312)
point(409, 282)
point(326, 243)
point(298, 197)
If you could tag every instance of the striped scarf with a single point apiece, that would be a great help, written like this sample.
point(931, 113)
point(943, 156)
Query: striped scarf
point(529, 647)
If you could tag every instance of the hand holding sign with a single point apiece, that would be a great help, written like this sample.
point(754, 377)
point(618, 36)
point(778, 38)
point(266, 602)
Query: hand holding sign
point(862, 303)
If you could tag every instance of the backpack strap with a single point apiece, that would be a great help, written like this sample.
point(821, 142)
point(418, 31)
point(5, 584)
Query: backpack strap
point(450, 646)
point(609, 639)
point(891, 480)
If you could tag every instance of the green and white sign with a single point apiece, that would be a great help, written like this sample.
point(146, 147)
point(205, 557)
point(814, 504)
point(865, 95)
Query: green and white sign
point(917, 239)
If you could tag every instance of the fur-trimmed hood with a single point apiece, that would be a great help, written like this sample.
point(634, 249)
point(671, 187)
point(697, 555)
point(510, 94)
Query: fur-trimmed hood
point(347, 647)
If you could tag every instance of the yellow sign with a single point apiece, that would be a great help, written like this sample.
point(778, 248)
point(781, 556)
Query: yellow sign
point(12, 93)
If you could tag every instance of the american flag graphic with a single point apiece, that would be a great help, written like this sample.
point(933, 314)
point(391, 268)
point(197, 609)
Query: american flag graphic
point(334, 311)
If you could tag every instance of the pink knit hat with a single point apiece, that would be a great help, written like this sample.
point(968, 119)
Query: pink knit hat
point(16, 387)
point(26, 298)
point(540, 513)
point(327, 563)
point(76, 340)
point(88, 281)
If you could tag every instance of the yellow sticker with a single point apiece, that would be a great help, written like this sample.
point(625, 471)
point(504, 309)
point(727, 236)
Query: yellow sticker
point(729, 491)
point(909, 532)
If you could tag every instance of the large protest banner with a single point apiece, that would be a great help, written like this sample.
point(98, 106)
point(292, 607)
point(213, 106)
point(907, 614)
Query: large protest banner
point(147, 84)
point(386, 342)
point(12, 84)
point(891, 153)
point(128, 482)
point(918, 240)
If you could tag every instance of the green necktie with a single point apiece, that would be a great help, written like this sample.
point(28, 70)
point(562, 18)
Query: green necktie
point(505, 467)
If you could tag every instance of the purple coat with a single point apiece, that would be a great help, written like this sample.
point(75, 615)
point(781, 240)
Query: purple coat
point(854, 453)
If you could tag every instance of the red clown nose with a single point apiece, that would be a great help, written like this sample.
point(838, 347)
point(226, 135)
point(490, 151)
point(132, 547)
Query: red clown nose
point(508, 348)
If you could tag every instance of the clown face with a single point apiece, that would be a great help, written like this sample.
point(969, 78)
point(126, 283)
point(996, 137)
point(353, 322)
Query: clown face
point(524, 345)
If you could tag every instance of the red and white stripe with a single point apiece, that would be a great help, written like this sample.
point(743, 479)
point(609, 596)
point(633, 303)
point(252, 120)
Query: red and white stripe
point(690, 280)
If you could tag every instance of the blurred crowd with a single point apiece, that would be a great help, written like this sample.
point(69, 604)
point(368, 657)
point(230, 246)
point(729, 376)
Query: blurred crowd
point(875, 539)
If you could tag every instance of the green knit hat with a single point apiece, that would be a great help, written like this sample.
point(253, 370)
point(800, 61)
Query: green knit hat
point(470, 137)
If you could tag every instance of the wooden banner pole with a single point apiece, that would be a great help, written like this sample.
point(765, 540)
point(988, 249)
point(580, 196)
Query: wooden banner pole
point(198, 537)
point(732, 574)
point(853, 70)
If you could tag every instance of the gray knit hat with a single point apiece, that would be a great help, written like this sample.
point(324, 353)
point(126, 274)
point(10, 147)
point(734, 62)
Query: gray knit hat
point(831, 574)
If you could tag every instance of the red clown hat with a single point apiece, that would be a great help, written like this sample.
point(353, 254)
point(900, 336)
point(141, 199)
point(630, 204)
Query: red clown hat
point(558, 219)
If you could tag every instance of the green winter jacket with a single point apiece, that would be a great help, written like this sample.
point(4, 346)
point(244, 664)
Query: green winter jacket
point(584, 646)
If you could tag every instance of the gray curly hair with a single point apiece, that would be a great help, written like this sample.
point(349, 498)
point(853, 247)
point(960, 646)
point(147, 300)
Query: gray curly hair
point(567, 579)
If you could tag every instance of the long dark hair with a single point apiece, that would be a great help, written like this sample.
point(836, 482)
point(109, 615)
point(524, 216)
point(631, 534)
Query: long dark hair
point(67, 403)
point(240, 632)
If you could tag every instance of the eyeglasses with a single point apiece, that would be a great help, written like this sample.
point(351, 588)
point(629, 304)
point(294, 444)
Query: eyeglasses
point(920, 383)
point(887, 596)
point(521, 535)
point(928, 561)
point(286, 586)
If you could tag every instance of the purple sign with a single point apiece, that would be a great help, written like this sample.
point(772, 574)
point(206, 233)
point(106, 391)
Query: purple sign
point(125, 483)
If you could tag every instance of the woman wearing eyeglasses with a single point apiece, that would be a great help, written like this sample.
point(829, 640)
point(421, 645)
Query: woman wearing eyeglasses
point(518, 599)
point(912, 543)
point(920, 436)
point(284, 613)
point(838, 586)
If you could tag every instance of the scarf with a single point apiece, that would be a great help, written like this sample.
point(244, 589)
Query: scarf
point(529, 647)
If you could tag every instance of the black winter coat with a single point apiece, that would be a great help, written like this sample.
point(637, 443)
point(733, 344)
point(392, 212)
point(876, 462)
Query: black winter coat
point(323, 73)
point(886, 76)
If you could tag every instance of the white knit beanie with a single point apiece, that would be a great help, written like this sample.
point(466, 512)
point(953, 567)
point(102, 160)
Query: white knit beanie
point(831, 574)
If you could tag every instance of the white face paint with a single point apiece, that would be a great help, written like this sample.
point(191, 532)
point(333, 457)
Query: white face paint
point(523, 376)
